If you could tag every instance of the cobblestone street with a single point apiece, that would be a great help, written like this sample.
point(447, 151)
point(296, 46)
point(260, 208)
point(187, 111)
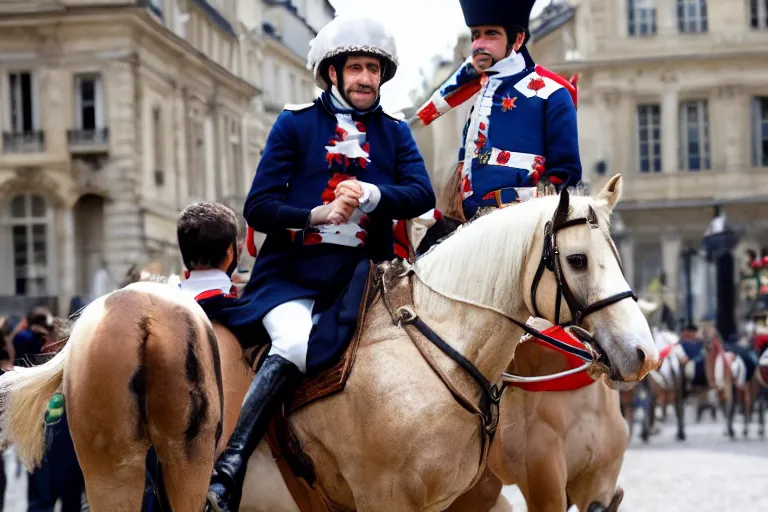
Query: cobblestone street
point(706, 473)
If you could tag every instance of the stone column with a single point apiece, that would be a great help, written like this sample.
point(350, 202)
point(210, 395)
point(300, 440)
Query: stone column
point(611, 151)
point(124, 172)
point(731, 108)
point(243, 182)
point(666, 17)
point(181, 136)
point(221, 166)
point(211, 151)
point(671, 247)
point(670, 129)
point(67, 262)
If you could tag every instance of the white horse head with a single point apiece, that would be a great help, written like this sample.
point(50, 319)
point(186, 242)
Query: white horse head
point(493, 263)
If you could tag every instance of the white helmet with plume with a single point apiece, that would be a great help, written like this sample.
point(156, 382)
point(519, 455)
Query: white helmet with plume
point(351, 35)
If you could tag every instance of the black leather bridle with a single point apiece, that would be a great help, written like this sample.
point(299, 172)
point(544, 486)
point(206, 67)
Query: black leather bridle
point(550, 260)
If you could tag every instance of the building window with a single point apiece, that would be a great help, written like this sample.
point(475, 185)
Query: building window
point(23, 134)
point(29, 228)
point(22, 98)
point(89, 104)
point(694, 135)
point(760, 132)
point(692, 16)
point(649, 137)
point(157, 139)
point(758, 10)
point(641, 17)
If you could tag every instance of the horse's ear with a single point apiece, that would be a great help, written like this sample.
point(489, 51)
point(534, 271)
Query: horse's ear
point(561, 214)
point(611, 193)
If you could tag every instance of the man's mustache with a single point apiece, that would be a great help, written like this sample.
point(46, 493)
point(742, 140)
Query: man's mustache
point(363, 88)
point(481, 51)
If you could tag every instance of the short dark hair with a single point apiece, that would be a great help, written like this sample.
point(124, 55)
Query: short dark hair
point(205, 232)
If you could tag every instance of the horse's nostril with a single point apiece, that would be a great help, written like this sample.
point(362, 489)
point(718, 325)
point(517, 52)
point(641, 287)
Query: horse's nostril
point(641, 355)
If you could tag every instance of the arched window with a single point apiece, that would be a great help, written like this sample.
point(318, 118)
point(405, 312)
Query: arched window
point(28, 222)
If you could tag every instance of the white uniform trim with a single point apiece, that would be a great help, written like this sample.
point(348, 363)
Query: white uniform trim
point(205, 280)
point(294, 107)
point(550, 86)
point(524, 161)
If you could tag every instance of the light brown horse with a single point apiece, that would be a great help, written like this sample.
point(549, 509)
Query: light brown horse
point(561, 448)
point(141, 370)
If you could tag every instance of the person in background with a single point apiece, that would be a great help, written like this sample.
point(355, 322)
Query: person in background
point(37, 330)
point(59, 477)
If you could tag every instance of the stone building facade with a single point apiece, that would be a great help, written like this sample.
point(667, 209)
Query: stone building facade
point(115, 114)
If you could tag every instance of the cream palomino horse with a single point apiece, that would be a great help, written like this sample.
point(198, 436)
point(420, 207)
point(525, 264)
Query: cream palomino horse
point(141, 369)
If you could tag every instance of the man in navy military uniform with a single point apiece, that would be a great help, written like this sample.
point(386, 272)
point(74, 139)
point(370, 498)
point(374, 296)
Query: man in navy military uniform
point(522, 128)
point(334, 176)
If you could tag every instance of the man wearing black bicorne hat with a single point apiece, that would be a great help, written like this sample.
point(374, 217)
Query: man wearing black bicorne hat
point(522, 129)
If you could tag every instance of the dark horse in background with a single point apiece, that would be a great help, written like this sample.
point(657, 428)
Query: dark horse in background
point(688, 370)
point(748, 368)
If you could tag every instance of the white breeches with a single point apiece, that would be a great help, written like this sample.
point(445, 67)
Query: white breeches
point(289, 326)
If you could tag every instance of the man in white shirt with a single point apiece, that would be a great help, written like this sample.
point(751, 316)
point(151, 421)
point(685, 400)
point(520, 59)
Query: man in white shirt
point(207, 234)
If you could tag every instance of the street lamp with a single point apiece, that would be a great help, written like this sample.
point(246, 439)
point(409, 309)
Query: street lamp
point(719, 242)
point(688, 255)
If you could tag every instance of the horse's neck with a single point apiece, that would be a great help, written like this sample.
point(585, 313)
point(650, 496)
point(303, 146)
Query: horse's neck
point(532, 360)
point(486, 338)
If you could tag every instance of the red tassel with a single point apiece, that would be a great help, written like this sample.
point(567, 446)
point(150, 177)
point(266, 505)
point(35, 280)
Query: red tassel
point(250, 243)
point(428, 114)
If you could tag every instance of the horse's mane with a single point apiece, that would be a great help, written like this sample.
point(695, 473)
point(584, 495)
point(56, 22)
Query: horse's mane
point(483, 260)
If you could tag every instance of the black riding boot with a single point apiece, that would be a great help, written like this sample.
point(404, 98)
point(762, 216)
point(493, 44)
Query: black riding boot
point(274, 382)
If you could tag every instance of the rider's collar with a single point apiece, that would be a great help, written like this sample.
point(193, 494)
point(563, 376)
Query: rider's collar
point(204, 280)
point(508, 66)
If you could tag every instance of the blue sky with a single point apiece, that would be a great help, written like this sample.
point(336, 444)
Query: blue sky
point(422, 29)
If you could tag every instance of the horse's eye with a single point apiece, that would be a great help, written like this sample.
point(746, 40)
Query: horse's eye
point(577, 261)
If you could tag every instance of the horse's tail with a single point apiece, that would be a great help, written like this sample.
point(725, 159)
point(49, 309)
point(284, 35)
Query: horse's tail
point(24, 396)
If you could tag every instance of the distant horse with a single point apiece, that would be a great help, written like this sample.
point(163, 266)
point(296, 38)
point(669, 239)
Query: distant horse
point(680, 376)
point(747, 367)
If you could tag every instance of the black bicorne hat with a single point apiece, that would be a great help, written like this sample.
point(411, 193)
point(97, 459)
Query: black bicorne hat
point(509, 14)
